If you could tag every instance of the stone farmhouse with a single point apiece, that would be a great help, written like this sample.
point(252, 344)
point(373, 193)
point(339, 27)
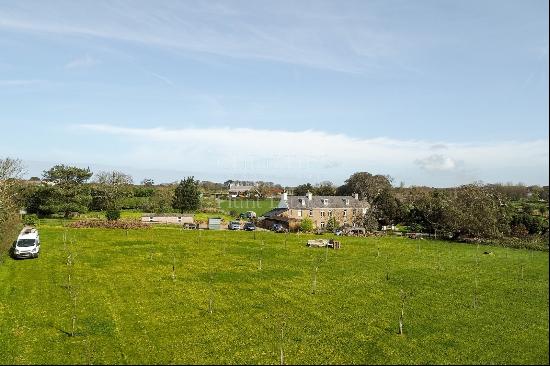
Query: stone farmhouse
point(292, 209)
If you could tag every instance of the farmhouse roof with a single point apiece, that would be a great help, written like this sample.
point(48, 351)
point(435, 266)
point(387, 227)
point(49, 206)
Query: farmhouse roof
point(242, 188)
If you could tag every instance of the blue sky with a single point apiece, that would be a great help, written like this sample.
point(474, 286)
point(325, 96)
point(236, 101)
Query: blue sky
point(436, 93)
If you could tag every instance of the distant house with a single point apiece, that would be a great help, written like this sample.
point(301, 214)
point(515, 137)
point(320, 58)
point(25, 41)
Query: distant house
point(168, 218)
point(238, 190)
point(292, 209)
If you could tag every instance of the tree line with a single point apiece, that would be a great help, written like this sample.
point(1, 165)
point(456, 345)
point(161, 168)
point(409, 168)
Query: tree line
point(474, 210)
point(68, 190)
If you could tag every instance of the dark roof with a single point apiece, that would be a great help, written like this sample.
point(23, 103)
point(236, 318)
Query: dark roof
point(295, 202)
point(274, 212)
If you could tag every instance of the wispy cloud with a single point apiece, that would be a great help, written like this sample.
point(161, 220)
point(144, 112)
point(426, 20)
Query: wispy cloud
point(82, 62)
point(306, 36)
point(163, 79)
point(318, 155)
point(21, 82)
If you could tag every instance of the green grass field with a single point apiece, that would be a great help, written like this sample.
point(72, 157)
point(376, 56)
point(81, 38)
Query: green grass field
point(258, 206)
point(164, 295)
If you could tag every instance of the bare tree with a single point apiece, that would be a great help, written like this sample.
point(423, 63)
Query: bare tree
point(11, 170)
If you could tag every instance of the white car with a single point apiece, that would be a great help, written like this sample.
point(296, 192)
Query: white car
point(27, 244)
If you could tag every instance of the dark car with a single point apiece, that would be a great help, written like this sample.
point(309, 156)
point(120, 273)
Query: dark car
point(249, 226)
point(278, 228)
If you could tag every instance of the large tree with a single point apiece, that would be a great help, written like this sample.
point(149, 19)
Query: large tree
point(325, 189)
point(368, 186)
point(161, 200)
point(477, 210)
point(387, 208)
point(429, 210)
point(302, 189)
point(111, 187)
point(187, 196)
point(70, 194)
point(471, 210)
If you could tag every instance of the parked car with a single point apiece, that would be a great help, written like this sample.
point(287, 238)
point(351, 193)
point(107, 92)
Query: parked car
point(278, 228)
point(249, 226)
point(234, 225)
point(27, 244)
point(248, 215)
point(189, 225)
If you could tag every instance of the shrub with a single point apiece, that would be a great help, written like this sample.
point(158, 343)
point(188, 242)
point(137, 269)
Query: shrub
point(30, 219)
point(332, 224)
point(112, 214)
point(105, 224)
point(306, 225)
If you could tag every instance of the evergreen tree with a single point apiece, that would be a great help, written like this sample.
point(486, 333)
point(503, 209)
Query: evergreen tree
point(70, 194)
point(187, 195)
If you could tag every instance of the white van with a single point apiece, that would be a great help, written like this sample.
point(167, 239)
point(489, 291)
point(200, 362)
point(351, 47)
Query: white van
point(27, 244)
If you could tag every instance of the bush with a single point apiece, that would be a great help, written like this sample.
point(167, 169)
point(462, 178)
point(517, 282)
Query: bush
point(306, 225)
point(112, 214)
point(118, 224)
point(332, 224)
point(531, 242)
point(30, 219)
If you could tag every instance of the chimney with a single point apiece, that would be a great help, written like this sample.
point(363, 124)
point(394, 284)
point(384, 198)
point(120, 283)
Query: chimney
point(356, 195)
point(309, 196)
point(285, 196)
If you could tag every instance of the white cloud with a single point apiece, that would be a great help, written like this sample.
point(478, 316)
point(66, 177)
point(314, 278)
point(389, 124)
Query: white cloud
point(82, 62)
point(316, 155)
point(436, 162)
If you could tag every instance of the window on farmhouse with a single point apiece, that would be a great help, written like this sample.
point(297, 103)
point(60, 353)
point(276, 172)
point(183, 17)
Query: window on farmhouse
point(310, 212)
point(345, 213)
point(299, 213)
point(322, 225)
point(330, 213)
point(322, 213)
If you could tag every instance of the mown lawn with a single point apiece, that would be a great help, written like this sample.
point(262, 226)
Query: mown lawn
point(243, 205)
point(164, 295)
